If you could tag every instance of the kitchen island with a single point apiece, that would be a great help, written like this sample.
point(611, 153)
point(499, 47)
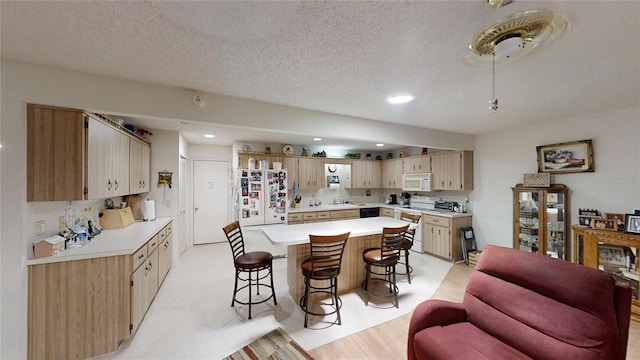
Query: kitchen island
point(365, 233)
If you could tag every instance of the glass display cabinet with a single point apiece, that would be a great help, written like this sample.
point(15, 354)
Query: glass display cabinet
point(540, 222)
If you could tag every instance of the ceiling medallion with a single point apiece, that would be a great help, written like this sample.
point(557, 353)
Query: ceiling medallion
point(516, 35)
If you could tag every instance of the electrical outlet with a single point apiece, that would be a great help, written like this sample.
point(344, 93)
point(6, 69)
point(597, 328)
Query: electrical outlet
point(62, 223)
point(39, 227)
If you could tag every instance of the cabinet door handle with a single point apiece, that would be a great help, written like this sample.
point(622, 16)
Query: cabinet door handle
point(109, 184)
point(116, 182)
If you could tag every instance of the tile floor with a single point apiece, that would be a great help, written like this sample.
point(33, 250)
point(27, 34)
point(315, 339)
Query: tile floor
point(191, 316)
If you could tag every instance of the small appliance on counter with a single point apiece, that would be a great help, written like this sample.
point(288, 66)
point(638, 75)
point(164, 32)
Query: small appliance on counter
point(393, 199)
point(446, 206)
point(406, 199)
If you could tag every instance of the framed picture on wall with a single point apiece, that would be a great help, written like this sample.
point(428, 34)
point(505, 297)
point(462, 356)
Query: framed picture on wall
point(568, 157)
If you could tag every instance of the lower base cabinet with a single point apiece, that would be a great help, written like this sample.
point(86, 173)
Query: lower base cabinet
point(441, 236)
point(84, 308)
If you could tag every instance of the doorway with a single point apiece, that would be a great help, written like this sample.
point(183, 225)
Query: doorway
point(211, 189)
point(183, 241)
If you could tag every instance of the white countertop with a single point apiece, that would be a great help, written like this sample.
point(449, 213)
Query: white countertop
point(110, 242)
point(365, 205)
point(299, 233)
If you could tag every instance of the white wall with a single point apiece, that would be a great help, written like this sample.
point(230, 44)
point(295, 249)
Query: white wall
point(501, 158)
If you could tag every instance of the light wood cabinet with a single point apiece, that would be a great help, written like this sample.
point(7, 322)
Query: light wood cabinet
point(74, 155)
point(290, 163)
point(417, 164)
point(392, 173)
point(440, 235)
point(55, 154)
point(295, 218)
point(139, 166)
point(165, 255)
point(366, 174)
point(345, 214)
point(386, 212)
point(311, 173)
point(623, 267)
point(452, 170)
point(540, 223)
point(243, 158)
point(108, 160)
point(80, 309)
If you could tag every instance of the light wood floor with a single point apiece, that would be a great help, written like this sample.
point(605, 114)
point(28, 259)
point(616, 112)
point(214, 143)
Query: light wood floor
point(389, 340)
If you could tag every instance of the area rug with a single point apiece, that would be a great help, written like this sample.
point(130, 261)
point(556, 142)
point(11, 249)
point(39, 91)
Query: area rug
point(276, 345)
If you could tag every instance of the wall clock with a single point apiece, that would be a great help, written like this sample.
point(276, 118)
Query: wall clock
point(287, 149)
point(332, 168)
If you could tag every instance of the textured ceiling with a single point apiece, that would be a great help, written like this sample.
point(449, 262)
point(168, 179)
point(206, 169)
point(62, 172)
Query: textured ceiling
point(345, 57)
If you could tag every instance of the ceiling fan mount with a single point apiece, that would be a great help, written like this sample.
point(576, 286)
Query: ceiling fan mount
point(516, 35)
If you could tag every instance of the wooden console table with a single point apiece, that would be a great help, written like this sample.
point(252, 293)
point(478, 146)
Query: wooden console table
point(586, 247)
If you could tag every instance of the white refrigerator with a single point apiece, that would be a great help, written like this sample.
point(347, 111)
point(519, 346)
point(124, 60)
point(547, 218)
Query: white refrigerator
point(262, 196)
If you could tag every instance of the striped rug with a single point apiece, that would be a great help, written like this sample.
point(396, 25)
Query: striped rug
point(276, 345)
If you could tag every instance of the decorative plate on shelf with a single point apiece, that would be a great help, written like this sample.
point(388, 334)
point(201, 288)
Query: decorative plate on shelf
point(247, 147)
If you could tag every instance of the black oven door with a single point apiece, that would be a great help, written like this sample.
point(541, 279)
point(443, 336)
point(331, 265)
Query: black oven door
point(369, 212)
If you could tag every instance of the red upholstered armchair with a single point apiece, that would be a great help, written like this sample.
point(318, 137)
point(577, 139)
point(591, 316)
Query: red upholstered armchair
point(520, 305)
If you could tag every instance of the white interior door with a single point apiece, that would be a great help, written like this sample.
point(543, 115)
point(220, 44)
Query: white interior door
point(210, 200)
point(182, 238)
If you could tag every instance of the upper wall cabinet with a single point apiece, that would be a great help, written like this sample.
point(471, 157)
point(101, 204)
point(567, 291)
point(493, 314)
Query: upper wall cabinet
point(392, 174)
point(139, 166)
point(55, 153)
point(417, 164)
point(73, 155)
point(366, 174)
point(452, 170)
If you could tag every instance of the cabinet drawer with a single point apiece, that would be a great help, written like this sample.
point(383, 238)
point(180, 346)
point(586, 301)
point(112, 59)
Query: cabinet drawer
point(345, 214)
point(386, 212)
point(139, 256)
point(162, 235)
point(309, 216)
point(437, 220)
point(155, 241)
point(323, 215)
point(295, 217)
point(168, 228)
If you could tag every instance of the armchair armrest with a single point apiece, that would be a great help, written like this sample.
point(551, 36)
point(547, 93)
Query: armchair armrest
point(433, 313)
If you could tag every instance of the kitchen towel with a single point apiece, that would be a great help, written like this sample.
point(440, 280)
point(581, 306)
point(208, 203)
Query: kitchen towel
point(148, 210)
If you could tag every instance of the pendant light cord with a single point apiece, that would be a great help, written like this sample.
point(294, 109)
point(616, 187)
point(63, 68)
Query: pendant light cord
point(493, 94)
point(494, 101)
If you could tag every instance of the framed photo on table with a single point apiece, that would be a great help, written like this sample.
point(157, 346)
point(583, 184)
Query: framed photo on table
point(568, 157)
point(618, 217)
point(632, 224)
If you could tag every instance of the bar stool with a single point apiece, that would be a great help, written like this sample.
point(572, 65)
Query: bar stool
point(248, 264)
point(386, 256)
point(407, 242)
point(323, 265)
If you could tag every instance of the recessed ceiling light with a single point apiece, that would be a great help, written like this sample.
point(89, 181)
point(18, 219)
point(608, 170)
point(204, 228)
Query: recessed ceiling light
point(183, 122)
point(400, 99)
point(209, 136)
point(379, 145)
point(317, 139)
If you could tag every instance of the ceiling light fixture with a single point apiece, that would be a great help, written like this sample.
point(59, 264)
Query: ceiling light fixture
point(317, 139)
point(379, 145)
point(209, 136)
point(400, 99)
point(198, 101)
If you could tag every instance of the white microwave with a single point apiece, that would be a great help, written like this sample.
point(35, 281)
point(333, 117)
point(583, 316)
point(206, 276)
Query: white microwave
point(416, 182)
